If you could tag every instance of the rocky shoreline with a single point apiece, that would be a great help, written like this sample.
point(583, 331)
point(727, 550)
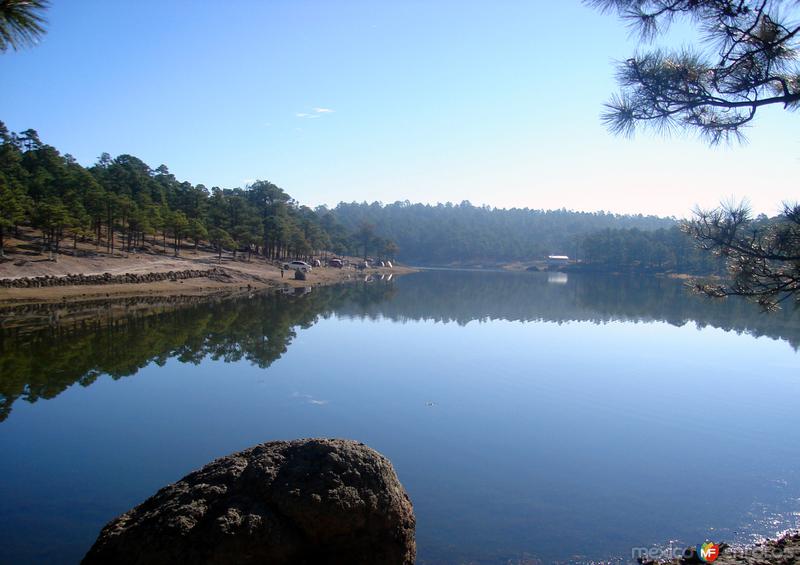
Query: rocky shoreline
point(70, 279)
point(784, 550)
point(113, 282)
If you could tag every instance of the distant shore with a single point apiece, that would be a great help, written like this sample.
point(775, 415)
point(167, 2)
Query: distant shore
point(572, 268)
point(193, 273)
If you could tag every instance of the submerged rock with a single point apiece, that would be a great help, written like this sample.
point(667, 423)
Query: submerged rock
point(305, 501)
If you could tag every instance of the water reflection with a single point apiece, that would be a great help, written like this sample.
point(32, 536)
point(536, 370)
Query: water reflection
point(564, 441)
point(45, 349)
point(466, 296)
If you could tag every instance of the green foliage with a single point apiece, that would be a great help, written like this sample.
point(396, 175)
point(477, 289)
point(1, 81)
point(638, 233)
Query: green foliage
point(366, 237)
point(220, 239)
point(750, 62)
point(12, 203)
point(662, 250)
point(125, 204)
point(123, 201)
point(463, 233)
point(762, 254)
point(197, 231)
point(21, 23)
point(52, 217)
point(753, 62)
point(178, 224)
point(13, 206)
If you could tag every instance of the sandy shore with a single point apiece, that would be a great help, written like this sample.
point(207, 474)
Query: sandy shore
point(240, 274)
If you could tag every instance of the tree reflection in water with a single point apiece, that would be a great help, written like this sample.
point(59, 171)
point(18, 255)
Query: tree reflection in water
point(45, 349)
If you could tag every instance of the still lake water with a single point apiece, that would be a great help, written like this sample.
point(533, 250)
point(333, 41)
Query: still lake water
point(529, 417)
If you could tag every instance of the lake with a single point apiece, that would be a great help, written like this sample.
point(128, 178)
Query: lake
point(529, 416)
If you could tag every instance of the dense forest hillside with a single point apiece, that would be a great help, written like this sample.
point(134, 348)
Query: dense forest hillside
point(463, 233)
point(123, 204)
point(661, 250)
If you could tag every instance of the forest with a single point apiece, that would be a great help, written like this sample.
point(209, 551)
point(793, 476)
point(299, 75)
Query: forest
point(463, 233)
point(662, 250)
point(122, 204)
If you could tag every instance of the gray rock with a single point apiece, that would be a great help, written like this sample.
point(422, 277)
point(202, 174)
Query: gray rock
point(320, 501)
point(108, 278)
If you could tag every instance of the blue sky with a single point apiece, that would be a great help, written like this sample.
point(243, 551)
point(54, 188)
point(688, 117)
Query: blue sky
point(495, 102)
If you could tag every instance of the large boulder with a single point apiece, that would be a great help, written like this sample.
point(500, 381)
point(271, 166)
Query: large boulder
point(320, 501)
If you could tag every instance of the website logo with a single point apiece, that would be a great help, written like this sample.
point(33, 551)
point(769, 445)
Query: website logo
point(708, 552)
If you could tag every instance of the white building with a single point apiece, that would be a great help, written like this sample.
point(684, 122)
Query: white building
point(557, 260)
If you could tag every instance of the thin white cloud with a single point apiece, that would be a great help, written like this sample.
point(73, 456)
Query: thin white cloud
point(315, 113)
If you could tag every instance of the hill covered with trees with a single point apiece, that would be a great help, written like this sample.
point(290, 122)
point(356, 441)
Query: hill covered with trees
point(462, 233)
point(122, 203)
point(660, 250)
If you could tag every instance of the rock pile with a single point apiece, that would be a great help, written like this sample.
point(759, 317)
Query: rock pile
point(108, 278)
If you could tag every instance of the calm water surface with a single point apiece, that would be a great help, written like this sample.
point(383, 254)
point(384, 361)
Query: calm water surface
point(529, 417)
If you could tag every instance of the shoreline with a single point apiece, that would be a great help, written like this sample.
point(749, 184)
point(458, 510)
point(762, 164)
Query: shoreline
point(569, 270)
point(190, 275)
point(782, 549)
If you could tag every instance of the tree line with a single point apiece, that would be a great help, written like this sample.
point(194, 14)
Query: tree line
point(661, 250)
point(463, 233)
point(122, 204)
